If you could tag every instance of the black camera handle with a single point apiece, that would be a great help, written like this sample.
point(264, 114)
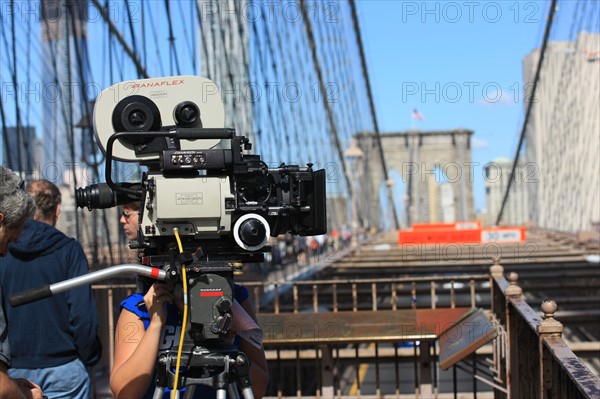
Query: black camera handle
point(179, 133)
point(47, 290)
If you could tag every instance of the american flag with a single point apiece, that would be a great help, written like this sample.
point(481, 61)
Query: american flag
point(417, 115)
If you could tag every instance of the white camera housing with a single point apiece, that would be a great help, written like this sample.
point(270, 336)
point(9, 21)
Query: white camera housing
point(167, 93)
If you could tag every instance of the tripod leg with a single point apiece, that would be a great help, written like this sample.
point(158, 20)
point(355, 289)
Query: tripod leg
point(159, 393)
point(247, 393)
point(189, 392)
point(233, 392)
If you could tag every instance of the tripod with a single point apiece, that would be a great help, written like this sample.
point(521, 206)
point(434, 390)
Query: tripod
point(225, 370)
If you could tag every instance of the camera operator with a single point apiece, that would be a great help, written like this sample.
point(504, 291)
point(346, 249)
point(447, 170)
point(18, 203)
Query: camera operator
point(129, 219)
point(52, 341)
point(16, 206)
point(150, 323)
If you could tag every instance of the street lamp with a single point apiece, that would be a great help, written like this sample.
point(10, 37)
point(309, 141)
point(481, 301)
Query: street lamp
point(354, 158)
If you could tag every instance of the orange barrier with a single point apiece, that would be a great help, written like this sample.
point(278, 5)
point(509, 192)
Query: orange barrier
point(446, 226)
point(464, 232)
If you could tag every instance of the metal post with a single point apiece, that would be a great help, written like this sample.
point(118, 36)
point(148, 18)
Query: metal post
point(354, 156)
point(425, 382)
point(326, 371)
point(548, 327)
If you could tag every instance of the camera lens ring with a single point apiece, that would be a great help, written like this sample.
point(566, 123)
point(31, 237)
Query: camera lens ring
point(239, 225)
point(187, 114)
point(136, 114)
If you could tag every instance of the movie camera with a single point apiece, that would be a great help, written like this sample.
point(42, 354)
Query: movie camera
point(201, 182)
point(200, 178)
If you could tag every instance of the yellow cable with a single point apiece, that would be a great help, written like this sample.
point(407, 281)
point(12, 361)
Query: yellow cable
point(185, 312)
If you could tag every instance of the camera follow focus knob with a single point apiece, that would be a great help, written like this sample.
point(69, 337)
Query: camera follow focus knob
point(251, 232)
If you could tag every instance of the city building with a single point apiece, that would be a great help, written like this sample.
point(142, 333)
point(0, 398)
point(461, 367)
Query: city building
point(562, 137)
point(497, 174)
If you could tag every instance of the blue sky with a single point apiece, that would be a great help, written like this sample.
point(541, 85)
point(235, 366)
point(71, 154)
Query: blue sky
point(458, 63)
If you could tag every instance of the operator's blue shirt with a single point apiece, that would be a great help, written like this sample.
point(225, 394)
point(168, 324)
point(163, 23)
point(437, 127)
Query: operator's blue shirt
point(169, 338)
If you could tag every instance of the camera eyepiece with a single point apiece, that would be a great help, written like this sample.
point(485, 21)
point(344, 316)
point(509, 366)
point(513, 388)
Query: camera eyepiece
point(187, 114)
point(251, 232)
point(101, 196)
point(136, 114)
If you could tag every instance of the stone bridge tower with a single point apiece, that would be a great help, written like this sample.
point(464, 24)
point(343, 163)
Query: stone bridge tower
point(435, 168)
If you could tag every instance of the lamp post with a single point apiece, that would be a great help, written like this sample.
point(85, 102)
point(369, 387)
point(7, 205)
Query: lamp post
point(354, 158)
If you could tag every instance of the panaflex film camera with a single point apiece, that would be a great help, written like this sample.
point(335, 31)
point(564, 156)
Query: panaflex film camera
point(200, 176)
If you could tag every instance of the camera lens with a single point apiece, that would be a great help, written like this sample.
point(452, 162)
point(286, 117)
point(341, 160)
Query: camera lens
point(136, 114)
point(251, 232)
point(96, 196)
point(187, 114)
point(101, 196)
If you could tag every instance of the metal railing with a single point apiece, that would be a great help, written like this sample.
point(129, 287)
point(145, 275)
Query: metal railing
point(528, 359)
point(538, 362)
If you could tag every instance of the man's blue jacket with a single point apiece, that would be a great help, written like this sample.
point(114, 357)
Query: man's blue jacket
point(55, 330)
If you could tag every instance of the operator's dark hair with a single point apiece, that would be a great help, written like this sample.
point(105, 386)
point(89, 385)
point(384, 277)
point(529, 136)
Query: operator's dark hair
point(135, 205)
point(47, 197)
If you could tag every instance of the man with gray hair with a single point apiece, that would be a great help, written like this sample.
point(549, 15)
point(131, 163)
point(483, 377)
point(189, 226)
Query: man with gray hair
point(52, 341)
point(16, 206)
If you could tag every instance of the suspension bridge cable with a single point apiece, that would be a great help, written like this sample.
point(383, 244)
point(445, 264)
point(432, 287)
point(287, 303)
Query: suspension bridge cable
point(270, 112)
point(279, 108)
point(529, 108)
point(115, 32)
point(144, 60)
point(172, 49)
point(189, 39)
point(71, 132)
point(81, 53)
point(2, 113)
point(16, 88)
point(316, 65)
point(155, 41)
point(131, 31)
point(243, 38)
point(287, 77)
point(367, 81)
point(206, 59)
point(356, 118)
point(228, 69)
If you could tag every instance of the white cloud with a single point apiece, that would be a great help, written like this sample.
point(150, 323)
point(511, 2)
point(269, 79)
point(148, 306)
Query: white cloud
point(479, 144)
